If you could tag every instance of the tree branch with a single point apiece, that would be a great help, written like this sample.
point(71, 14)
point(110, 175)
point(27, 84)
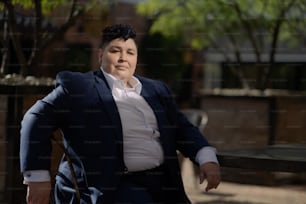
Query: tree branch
point(43, 40)
point(37, 33)
point(248, 29)
point(14, 35)
point(51, 37)
point(5, 43)
point(72, 10)
point(236, 71)
point(240, 72)
point(275, 34)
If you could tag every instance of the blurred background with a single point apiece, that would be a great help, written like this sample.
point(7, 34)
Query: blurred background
point(241, 62)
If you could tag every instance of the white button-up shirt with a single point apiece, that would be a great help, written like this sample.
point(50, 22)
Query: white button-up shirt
point(141, 147)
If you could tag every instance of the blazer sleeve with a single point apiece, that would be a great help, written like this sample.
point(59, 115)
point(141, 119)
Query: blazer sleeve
point(189, 139)
point(38, 124)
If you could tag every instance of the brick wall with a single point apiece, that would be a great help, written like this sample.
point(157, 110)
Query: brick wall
point(235, 122)
point(251, 122)
point(291, 120)
point(3, 173)
point(11, 111)
point(244, 122)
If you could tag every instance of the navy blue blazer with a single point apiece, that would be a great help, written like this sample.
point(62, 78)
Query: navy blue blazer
point(82, 107)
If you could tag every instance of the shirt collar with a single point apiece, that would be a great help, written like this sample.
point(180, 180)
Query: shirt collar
point(111, 80)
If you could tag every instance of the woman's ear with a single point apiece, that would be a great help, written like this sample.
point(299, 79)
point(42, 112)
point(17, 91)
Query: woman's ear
point(100, 54)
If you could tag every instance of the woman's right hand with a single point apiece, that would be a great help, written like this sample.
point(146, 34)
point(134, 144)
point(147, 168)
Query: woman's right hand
point(38, 192)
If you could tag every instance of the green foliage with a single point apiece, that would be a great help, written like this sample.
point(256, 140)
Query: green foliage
point(163, 57)
point(210, 21)
point(44, 15)
point(48, 7)
point(233, 27)
point(75, 58)
point(24, 3)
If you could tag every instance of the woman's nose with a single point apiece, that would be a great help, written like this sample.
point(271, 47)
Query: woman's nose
point(122, 56)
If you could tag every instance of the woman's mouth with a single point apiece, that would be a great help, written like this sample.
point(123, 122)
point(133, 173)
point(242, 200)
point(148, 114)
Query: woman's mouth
point(121, 67)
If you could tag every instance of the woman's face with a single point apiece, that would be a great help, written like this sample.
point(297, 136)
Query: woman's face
point(119, 58)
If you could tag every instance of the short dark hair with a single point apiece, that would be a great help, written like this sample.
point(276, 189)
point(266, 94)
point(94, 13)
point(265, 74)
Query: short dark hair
point(117, 31)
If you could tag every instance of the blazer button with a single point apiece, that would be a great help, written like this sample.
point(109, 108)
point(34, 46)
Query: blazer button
point(125, 171)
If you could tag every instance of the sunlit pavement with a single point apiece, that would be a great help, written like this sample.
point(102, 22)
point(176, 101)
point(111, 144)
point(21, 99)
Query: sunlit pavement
point(234, 193)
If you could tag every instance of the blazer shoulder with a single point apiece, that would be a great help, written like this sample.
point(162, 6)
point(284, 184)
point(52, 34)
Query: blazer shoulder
point(65, 76)
point(152, 82)
point(159, 86)
point(75, 80)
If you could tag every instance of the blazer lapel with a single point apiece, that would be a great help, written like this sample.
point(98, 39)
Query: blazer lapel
point(153, 99)
point(107, 99)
